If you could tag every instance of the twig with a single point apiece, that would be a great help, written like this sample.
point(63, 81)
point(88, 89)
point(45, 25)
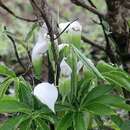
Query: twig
point(13, 14)
point(43, 13)
point(65, 29)
point(108, 48)
point(82, 37)
point(15, 49)
point(83, 4)
point(92, 43)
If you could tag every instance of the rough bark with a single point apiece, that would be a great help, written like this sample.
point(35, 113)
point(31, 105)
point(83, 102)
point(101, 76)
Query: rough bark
point(118, 16)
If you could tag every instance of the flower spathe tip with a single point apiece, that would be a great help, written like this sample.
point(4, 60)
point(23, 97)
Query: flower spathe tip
point(65, 68)
point(47, 93)
point(74, 28)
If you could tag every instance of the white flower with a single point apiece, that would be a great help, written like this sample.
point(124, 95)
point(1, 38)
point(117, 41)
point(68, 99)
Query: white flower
point(61, 46)
point(65, 68)
point(62, 26)
point(39, 49)
point(73, 28)
point(47, 93)
point(41, 45)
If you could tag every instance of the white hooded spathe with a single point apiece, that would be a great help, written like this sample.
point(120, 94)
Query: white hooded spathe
point(38, 51)
point(47, 93)
point(74, 28)
point(41, 45)
point(65, 68)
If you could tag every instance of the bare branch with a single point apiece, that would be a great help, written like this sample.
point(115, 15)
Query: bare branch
point(65, 29)
point(13, 14)
point(15, 49)
point(92, 43)
point(44, 14)
point(83, 4)
point(109, 51)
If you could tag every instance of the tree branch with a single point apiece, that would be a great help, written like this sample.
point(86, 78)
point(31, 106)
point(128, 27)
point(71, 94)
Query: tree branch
point(13, 14)
point(83, 4)
point(44, 14)
point(108, 48)
point(15, 50)
point(92, 43)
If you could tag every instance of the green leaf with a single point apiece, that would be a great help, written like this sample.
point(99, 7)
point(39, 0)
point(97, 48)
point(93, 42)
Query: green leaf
point(100, 109)
point(87, 62)
point(12, 123)
point(75, 39)
point(83, 89)
point(64, 86)
point(41, 125)
point(37, 66)
point(65, 122)
point(63, 108)
point(4, 86)
point(30, 33)
point(114, 75)
point(118, 79)
point(97, 92)
point(9, 106)
point(4, 70)
point(125, 125)
point(109, 100)
point(25, 125)
point(117, 120)
point(79, 121)
point(73, 75)
point(114, 101)
point(24, 93)
point(104, 67)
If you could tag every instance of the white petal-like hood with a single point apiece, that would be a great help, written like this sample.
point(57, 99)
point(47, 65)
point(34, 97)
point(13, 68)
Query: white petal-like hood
point(41, 45)
point(65, 68)
point(47, 93)
point(74, 28)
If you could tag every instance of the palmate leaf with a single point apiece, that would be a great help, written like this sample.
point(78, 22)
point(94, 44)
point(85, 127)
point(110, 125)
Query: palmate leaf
point(118, 79)
point(117, 120)
point(13, 123)
point(114, 75)
point(104, 67)
point(11, 105)
point(79, 121)
point(41, 125)
point(100, 109)
point(65, 122)
point(125, 126)
point(4, 70)
point(23, 92)
point(87, 62)
point(114, 101)
point(5, 85)
point(96, 92)
point(108, 100)
point(83, 90)
point(25, 125)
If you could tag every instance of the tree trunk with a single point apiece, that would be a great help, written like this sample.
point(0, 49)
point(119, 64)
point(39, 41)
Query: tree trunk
point(118, 16)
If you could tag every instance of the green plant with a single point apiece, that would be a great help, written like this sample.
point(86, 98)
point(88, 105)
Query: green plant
point(84, 100)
